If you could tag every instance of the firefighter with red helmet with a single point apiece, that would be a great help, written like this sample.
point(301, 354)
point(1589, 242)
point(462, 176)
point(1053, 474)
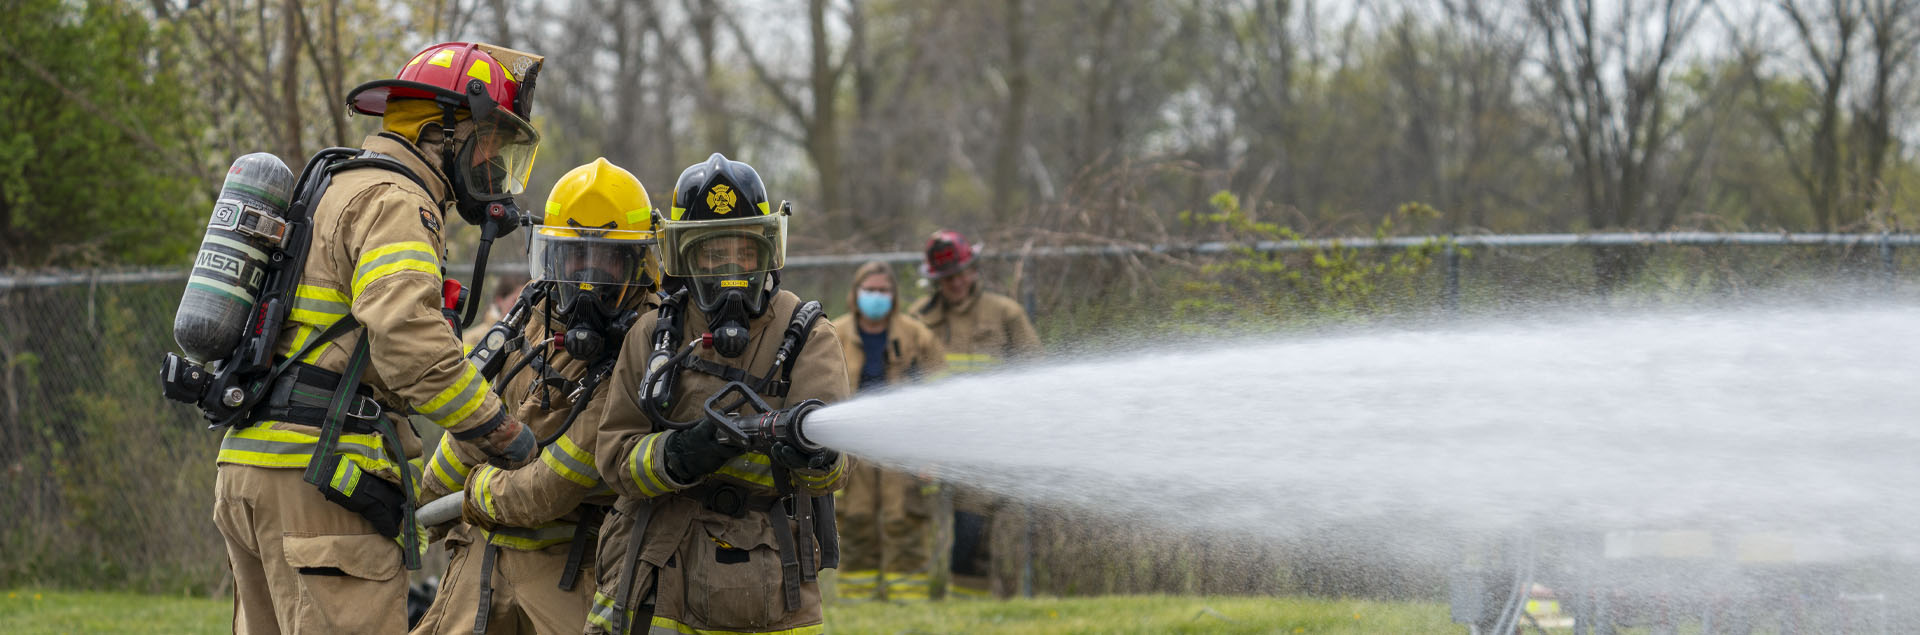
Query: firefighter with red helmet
point(311, 496)
point(980, 330)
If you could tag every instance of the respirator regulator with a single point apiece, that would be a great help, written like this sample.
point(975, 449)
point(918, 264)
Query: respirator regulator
point(593, 276)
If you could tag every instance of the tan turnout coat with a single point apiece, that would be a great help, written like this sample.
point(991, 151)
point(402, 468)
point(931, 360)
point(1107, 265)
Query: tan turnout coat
point(981, 332)
point(530, 514)
point(301, 562)
point(680, 566)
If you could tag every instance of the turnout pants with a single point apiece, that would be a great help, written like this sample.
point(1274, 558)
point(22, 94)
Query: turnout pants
point(302, 564)
point(893, 538)
point(525, 595)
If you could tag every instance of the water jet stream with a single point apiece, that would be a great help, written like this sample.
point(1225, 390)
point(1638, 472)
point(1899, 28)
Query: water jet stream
point(1782, 418)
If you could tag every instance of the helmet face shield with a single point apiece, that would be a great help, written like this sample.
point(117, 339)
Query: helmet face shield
point(498, 159)
point(750, 244)
point(611, 265)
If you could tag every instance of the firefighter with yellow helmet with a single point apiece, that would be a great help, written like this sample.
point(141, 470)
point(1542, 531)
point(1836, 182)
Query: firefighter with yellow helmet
point(711, 535)
point(523, 557)
point(313, 485)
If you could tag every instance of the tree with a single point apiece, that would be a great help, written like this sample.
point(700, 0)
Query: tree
point(97, 164)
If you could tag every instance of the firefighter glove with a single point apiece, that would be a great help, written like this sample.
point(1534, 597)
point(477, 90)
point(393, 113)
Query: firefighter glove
point(794, 457)
point(698, 451)
point(507, 443)
point(373, 498)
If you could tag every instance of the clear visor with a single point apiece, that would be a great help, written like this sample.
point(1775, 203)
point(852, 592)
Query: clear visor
point(499, 157)
point(589, 260)
point(724, 247)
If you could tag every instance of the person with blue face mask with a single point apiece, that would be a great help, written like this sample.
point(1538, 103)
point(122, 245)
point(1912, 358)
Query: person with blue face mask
point(891, 545)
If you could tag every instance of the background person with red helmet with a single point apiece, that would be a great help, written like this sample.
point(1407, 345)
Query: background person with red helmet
point(980, 330)
point(328, 558)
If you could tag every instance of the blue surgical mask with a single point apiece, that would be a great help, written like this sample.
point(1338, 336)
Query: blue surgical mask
point(875, 304)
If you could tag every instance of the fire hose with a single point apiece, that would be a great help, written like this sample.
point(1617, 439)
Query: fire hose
point(757, 431)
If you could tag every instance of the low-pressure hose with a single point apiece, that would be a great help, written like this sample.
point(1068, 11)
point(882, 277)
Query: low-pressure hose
point(651, 407)
point(580, 400)
point(500, 385)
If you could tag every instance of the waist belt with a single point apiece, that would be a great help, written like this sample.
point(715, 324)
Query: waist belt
point(301, 394)
point(731, 499)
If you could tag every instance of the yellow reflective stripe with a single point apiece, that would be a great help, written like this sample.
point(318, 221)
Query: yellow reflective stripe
point(571, 462)
point(602, 612)
point(319, 306)
point(447, 466)
point(386, 260)
point(456, 402)
point(664, 626)
point(824, 479)
point(532, 538)
point(260, 445)
point(641, 463)
point(752, 467)
point(483, 490)
point(346, 477)
point(967, 362)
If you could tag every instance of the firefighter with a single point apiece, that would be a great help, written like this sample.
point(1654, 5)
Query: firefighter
point(979, 328)
point(892, 533)
point(369, 342)
point(707, 535)
point(523, 560)
point(980, 331)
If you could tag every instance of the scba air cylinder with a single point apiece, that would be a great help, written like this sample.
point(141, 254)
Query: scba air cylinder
point(248, 224)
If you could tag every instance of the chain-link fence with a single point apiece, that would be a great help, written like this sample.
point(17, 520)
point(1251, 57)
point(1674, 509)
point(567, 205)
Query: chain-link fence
point(109, 485)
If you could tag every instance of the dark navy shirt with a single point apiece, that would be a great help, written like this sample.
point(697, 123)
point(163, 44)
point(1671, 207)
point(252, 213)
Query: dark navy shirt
point(873, 374)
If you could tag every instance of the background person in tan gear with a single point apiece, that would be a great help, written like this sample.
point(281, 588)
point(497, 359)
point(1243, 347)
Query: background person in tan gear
point(522, 562)
point(894, 533)
point(980, 330)
point(326, 559)
point(710, 536)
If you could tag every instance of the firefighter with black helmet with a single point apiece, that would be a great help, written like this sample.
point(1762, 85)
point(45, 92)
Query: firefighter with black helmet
point(709, 535)
point(366, 341)
point(524, 556)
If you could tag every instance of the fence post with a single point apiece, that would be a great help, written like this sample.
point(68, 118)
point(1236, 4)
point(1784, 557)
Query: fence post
point(1452, 299)
point(1886, 258)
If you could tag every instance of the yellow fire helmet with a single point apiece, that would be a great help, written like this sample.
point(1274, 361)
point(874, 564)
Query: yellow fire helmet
point(596, 239)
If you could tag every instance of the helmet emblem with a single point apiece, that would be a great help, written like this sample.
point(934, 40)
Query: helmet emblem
point(721, 198)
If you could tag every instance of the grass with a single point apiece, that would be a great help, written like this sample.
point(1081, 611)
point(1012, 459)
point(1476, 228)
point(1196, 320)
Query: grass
point(1143, 614)
point(34, 611)
point(41, 611)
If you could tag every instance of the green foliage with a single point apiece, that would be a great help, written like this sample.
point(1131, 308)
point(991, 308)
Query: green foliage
point(1320, 282)
point(95, 158)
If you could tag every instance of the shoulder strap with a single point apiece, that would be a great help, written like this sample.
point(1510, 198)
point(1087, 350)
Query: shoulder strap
point(371, 159)
point(797, 329)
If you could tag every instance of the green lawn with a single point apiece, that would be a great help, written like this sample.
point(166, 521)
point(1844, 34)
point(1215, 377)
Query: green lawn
point(32, 611)
point(35, 611)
